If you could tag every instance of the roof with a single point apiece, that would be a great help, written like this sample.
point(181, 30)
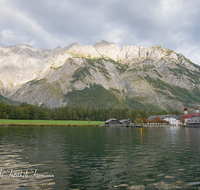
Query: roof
point(124, 120)
point(190, 115)
point(194, 120)
point(165, 116)
point(112, 119)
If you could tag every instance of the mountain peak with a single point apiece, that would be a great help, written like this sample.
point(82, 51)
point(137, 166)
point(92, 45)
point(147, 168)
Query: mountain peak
point(104, 43)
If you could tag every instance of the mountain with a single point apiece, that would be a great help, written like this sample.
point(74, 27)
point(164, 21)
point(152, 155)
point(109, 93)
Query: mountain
point(9, 102)
point(102, 75)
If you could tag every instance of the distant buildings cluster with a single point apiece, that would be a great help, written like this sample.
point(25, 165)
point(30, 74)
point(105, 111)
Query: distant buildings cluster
point(185, 119)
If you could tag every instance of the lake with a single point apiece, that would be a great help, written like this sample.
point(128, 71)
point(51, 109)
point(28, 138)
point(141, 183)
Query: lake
point(67, 157)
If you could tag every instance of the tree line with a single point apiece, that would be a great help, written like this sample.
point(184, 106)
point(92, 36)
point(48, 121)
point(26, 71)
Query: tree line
point(33, 112)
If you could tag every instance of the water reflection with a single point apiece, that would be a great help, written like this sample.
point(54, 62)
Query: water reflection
point(100, 158)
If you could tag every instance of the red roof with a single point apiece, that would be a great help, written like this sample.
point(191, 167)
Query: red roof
point(190, 115)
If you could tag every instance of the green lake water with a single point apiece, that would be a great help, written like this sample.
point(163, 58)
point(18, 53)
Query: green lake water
point(99, 158)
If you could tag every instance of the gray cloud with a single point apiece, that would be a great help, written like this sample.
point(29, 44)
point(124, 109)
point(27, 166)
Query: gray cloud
point(51, 23)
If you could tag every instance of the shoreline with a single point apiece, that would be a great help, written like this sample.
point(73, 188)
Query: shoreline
point(15, 122)
point(25, 124)
point(88, 125)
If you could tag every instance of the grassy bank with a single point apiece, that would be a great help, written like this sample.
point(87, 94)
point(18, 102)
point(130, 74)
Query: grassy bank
point(49, 122)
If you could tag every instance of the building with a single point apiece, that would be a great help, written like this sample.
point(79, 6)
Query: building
point(112, 121)
point(171, 119)
point(125, 121)
point(187, 116)
point(194, 122)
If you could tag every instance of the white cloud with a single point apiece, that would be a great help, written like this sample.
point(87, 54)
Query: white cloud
point(21, 28)
point(189, 51)
point(49, 23)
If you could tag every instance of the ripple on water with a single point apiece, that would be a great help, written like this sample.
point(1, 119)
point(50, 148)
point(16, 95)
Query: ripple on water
point(139, 187)
point(169, 177)
point(194, 183)
point(116, 158)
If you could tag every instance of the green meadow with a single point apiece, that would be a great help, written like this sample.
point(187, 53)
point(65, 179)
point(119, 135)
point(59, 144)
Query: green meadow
point(48, 122)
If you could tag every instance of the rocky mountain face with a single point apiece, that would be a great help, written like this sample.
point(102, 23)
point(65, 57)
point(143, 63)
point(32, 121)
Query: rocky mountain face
point(135, 77)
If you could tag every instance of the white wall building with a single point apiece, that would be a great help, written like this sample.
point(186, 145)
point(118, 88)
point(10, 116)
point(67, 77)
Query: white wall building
point(173, 120)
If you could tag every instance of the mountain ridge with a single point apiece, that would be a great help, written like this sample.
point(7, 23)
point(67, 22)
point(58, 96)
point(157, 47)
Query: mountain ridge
point(130, 72)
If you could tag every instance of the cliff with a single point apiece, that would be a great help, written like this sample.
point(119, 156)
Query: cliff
point(135, 77)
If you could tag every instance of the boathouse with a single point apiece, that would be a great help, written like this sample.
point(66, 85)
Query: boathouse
point(112, 121)
point(194, 122)
point(125, 121)
point(122, 123)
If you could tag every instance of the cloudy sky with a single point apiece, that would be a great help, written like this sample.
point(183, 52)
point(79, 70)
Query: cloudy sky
point(173, 24)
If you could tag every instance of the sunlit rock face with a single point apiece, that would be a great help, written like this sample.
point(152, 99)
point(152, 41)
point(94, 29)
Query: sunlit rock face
point(45, 76)
point(20, 64)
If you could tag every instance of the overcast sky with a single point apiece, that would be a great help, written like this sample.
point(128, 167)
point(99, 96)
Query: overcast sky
point(173, 24)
